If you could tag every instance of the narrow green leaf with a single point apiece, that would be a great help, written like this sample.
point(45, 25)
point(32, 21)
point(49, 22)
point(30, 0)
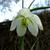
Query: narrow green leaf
point(39, 8)
point(38, 46)
point(31, 4)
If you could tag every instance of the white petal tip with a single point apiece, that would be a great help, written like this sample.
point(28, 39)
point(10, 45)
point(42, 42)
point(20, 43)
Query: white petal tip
point(41, 28)
point(11, 29)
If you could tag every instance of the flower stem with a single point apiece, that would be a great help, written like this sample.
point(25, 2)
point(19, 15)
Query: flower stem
point(22, 3)
point(34, 43)
point(31, 4)
point(21, 43)
point(21, 39)
point(39, 8)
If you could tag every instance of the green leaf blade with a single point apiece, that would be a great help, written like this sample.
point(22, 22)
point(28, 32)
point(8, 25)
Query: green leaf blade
point(39, 8)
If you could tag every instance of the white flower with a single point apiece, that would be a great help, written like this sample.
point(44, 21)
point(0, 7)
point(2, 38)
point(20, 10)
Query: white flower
point(24, 20)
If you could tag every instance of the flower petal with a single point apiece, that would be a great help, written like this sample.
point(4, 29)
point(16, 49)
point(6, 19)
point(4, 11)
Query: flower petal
point(38, 21)
point(21, 30)
point(33, 28)
point(25, 12)
point(13, 25)
point(15, 22)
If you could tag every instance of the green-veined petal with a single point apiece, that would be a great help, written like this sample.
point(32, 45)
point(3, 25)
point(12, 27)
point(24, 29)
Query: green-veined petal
point(13, 25)
point(21, 29)
point(25, 12)
point(37, 21)
point(33, 28)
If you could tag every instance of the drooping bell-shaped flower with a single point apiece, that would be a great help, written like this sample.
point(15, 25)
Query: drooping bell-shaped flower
point(25, 19)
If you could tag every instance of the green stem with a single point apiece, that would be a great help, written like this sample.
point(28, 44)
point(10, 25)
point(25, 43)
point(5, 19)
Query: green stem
point(22, 3)
point(21, 43)
point(34, 43)
point(39, 8)
point(31, 4)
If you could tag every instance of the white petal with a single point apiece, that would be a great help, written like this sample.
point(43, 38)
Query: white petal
point(15, 22)
point(38, 21)
point(33, 28)
point(25, 12)
point(21, 30)
point(13, 25)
